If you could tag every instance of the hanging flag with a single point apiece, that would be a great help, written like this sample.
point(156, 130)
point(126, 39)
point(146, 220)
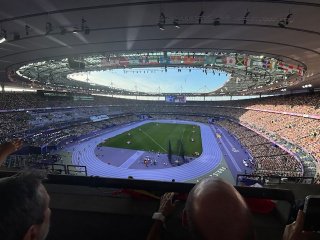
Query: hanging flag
point(247, 61)
point(210, 60)
point(175, 59)
point(281, 66)
point(123, 61)
point(284, 67)
point(291, 67)
point(300, 70)
point(266, 63)
point(153, 60)
point(257, 63)
point(230, 60)
point(219, 60)
point(240, 61)
point(272, 64)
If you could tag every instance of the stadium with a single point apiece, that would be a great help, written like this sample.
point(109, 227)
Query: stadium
point(118, 102)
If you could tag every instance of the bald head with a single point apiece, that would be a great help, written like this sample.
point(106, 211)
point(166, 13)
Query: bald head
point(215, 210)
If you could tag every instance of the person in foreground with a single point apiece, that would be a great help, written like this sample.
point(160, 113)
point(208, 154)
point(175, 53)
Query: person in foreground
point(24, 207)
point(214, 210)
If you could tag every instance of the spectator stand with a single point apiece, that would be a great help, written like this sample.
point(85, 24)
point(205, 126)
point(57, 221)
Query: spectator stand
point(248, 180)
point(307, 161)
point(267, 160)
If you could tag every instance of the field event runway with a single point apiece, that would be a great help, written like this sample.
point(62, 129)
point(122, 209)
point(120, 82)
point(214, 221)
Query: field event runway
point(83, 153)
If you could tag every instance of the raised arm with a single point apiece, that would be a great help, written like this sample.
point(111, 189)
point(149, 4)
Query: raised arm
point(166, 207)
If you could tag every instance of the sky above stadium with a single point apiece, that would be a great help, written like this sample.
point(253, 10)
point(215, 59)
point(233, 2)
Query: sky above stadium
point(157, 80)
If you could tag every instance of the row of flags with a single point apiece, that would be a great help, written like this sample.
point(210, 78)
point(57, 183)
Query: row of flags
point(241, 62)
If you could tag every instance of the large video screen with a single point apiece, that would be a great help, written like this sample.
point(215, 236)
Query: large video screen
point(176, 99)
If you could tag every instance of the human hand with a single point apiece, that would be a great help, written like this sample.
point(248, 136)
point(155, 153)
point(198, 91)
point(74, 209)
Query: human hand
point(294, 231)
point(166, 204)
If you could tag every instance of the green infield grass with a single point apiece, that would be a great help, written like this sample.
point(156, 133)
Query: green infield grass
point(156, 137)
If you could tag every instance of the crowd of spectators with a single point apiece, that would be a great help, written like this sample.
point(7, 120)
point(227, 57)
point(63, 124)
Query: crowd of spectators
point(13, 123)
point(31, 100)
point(24, 123)
point(72, 133)
point(10, 101)
point(306, 103)
point(266, 149)
point(269, 158)
point(65, 115)
point(303, 103)
point(299, 130)
point(30, 160)
point(285, 165)
point(180, 117)
point(304, 132)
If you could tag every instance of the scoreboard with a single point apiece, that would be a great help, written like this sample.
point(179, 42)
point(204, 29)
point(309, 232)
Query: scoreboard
point(176, 99)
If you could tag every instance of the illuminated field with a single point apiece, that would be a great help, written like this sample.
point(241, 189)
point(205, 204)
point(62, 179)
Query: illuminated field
point(156, 137)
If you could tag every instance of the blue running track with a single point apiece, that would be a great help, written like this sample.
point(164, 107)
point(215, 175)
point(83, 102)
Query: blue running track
point(83, 154)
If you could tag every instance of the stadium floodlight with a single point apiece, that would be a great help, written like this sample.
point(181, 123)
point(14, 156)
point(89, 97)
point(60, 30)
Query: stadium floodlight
point(48, 27)
point(75, 30)
point(27, 28)
point(200, 16)
point(282, 24)
point(3, 35)
point(288, 18)
point(176, 23)
point(161, 26)
point(162, 17)
point(162, 21)
point(216, 21)
point(307, 86)
point(245, 17)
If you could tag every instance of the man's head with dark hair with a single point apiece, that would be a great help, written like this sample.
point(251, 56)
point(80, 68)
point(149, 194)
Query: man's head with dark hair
point(24, 207)
point(216, 210)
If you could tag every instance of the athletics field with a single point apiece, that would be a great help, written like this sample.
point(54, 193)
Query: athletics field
point(155, 137)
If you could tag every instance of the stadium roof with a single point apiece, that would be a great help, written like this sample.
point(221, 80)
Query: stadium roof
point(52, 30)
